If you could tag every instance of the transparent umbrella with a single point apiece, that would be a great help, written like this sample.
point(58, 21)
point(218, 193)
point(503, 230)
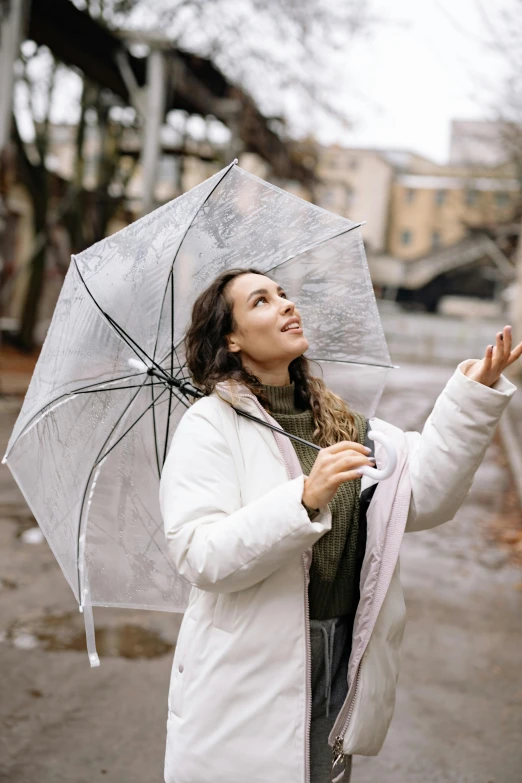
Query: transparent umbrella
point(111, 384)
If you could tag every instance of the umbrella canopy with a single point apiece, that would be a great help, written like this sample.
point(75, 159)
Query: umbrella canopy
point(89, 444)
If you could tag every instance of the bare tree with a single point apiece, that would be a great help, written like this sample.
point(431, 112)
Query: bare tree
point(280, 51)
point(84, 212)
point(283, 52)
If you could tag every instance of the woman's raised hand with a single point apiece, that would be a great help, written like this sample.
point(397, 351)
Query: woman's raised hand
point(333, 465)
point(489, 369)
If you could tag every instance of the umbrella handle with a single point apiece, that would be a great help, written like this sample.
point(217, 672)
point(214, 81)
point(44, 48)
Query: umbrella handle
point(391, 463)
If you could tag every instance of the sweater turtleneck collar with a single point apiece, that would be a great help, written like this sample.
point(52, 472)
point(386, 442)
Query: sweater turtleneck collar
point(281, 398)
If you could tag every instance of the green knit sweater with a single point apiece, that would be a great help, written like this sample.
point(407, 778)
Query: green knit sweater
point(333, 589)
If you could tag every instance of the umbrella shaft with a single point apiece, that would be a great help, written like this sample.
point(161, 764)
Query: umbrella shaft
point(277, 429)
point(187, 388)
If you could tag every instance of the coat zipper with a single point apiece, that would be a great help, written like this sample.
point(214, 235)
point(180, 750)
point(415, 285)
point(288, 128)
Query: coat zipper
point(307, 627)
point(337, 749)
point(308, 673)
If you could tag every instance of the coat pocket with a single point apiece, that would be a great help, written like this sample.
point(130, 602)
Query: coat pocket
point(230, 607)
point(225, 611)
point(181, 665)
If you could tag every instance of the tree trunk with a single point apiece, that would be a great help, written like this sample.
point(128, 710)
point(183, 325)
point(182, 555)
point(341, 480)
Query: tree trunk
point(25, 336)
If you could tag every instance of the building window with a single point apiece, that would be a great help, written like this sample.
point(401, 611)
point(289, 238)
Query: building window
point(349, 197)
point(410, 195)
point(329, 196)
point(440, 197)
point(435, 240)
point(501, 199)
point(471, 198)
point(406, 236)
point(354, 164)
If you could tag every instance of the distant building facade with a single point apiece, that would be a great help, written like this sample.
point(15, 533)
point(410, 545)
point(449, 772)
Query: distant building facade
point(356, 183)
point(430, 209)
point(431, 229)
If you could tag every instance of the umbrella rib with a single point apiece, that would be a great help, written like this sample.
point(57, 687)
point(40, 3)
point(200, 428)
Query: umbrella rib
point(99, 460)
point(154, 428)
point(122, 414)
point(80, 390)
point(129, 428)
point(171, 364)
point(290, 258)
point(313, 247)
point(119, 388)
point(189, 226)
point(119, 329)
point(171, 276)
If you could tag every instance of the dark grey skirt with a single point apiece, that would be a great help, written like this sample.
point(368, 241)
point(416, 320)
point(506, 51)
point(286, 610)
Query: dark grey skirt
point(330, 642)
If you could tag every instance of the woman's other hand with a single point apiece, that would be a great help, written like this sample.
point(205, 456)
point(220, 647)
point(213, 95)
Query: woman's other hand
point(332, 466)
point(489, 369)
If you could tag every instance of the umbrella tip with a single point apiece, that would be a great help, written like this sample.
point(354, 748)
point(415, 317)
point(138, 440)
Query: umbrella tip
point(235, 162)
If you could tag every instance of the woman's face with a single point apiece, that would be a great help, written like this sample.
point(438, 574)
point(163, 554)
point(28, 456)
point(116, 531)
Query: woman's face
point(268, 332)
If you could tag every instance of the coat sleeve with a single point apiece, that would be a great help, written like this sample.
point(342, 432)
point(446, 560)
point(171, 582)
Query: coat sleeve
point(217, 543)
point(444, 460)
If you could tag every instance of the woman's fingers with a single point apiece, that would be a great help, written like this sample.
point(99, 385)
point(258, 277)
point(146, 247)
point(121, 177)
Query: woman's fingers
point(503, 354)
point(515, 354)
point(498, 356)
point(508, 341)
point(348, 475)
point(346, 445)
point(351, 462)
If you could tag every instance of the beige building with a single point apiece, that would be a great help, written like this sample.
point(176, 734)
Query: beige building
point(435, 208)
point(411, 205)
point(420, 216)
point(356, 183)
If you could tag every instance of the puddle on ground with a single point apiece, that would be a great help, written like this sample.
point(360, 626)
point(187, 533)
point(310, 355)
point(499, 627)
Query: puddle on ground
point(7, 584)
point(61, 632)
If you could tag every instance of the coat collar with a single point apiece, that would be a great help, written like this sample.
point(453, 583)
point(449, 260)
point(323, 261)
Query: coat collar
point(236, 394)
point(240, 396)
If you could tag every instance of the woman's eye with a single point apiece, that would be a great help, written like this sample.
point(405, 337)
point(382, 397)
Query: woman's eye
point(264, 299)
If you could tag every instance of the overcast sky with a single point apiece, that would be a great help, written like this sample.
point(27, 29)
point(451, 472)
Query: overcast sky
point(421, 72)
point(427, 63)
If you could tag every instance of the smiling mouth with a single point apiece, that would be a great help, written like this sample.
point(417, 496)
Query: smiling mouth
point(292, 328)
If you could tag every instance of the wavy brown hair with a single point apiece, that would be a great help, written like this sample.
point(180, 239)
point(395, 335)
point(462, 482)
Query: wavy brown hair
point(209, 361)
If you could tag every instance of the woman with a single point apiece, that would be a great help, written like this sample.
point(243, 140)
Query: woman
point(288, 654)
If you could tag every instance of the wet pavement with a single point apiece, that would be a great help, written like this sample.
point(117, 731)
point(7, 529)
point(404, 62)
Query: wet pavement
point(459, 706)
point(60, 720)
point(458, 717)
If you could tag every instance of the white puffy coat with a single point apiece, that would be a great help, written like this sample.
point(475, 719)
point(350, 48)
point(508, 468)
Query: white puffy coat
point(239, 701)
